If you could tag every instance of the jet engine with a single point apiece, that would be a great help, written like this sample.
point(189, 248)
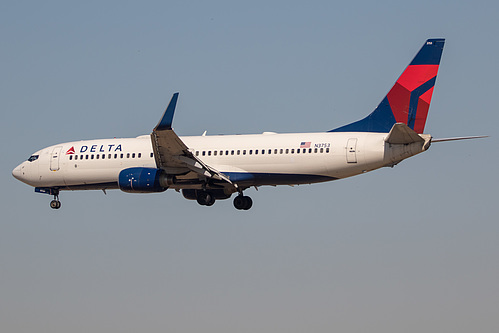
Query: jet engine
point(144, 180)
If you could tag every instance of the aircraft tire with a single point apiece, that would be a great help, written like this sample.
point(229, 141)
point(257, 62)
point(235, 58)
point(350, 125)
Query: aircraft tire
point(211, 202)
point(239, 202)
point(242, 202)
point(248, 203)
point(205, 199)
point(55, 204)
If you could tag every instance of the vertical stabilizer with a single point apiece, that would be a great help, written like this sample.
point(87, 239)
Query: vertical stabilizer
point(409, 99)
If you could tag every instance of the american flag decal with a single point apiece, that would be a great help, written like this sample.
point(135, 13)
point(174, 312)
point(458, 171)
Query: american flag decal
point(305, 144)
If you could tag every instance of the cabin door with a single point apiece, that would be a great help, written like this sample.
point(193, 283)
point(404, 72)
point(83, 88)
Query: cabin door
point(352, 150)
point(54, 158)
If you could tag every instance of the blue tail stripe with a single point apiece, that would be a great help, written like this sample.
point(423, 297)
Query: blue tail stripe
point(413, 106)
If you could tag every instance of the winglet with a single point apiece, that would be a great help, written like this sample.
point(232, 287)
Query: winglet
point(166, 121)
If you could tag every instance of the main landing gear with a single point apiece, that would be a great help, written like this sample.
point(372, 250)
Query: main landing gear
point(243, 202)
point(205, 198)
point(55, 204)
point(208, 198)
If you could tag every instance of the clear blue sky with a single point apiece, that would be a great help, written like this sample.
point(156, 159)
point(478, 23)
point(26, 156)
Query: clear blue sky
point(414, 248)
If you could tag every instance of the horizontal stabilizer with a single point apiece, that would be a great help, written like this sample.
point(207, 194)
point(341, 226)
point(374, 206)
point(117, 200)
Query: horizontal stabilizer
point(402, 134)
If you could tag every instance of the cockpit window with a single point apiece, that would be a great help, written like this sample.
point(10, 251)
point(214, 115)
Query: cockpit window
point(33, 158)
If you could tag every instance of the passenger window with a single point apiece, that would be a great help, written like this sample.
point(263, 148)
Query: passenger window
point(310, 150)
point(256, 151)
point(203, 153)
point(86, 157)
point(76, 157)
point(298, 151)
point(70, 157)
point(152, 154)
point(121, 155)
point(263, 151)
point(209, 153)
point(315, 150)
point(133, 155)
point(281, 151)
point(327, 150)
point(103, 156)
point(221, 152)
point(287, 151)
point(232, 152)
point(322, 150)
point(238, 152)
point(215, 153)
point(226, 152)
point(92, 156)
point(115, 156)
point(292, 151)
point(139, 155)
point(97, 156)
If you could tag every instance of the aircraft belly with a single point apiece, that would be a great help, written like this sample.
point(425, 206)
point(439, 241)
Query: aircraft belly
point(276, 173)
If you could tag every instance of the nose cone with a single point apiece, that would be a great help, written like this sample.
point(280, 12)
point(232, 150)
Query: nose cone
point(18, 173)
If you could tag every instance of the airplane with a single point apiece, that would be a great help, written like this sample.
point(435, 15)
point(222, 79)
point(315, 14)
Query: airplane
point(214, 167)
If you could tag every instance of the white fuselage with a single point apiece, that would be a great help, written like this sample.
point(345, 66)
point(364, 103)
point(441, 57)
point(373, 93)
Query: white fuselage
point(252, 160)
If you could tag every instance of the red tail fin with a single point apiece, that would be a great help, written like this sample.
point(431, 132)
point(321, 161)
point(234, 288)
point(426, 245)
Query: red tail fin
point(409, 99)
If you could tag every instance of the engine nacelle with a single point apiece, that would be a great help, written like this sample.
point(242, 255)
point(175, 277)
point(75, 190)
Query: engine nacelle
point(144, 180)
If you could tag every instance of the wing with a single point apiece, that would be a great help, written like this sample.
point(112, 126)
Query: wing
point(171, 153)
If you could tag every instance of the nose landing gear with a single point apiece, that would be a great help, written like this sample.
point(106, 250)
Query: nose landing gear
point(55, 204)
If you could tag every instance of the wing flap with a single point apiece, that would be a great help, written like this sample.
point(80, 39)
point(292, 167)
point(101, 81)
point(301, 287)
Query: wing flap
point(198, 166)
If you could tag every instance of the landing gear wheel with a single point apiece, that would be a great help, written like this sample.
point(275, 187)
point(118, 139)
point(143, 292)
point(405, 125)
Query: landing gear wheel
point(243, 202)
point(205, 199)
point(211, 202)
point(55, 204)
